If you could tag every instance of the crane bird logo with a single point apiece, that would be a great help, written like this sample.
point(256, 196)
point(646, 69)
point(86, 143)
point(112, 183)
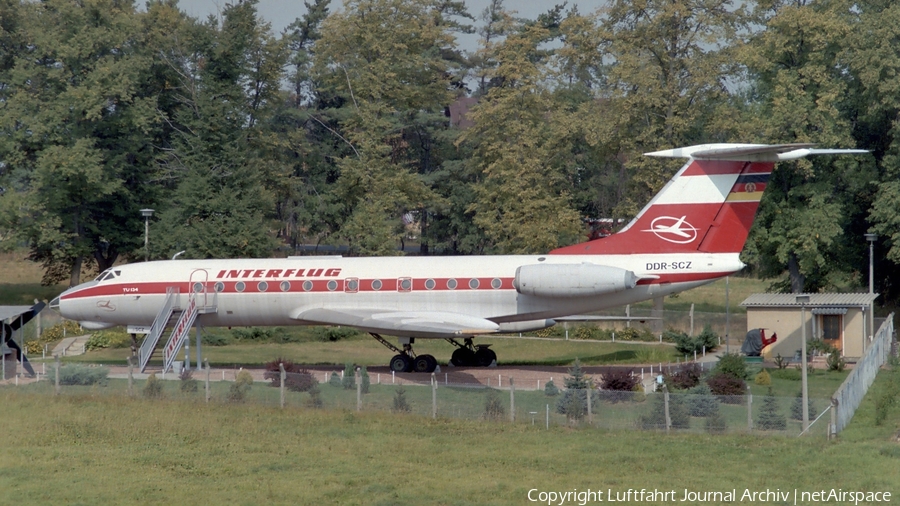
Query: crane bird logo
point(674, 230)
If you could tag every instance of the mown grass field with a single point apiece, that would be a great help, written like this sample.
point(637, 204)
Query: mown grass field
point(363, 350)
point(95, 449)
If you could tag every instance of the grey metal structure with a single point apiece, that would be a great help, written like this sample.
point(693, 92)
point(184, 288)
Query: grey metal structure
point(851, 392)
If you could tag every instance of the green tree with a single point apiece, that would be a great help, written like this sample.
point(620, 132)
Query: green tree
point(573, 402)
point(383, 75)
point(521, 201)
point(230, 85)
point(77, 129)
point(670, 62)
point(801, 95)
point(769, 417)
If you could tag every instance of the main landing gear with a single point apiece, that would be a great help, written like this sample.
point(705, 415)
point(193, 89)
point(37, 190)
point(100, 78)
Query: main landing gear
point(469, 355)
point(465, 355)
point(406, 360)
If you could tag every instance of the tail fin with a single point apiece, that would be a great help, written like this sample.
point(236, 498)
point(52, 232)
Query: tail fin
point(708, 206)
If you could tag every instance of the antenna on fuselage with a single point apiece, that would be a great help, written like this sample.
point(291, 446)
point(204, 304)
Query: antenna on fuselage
point(176, 254)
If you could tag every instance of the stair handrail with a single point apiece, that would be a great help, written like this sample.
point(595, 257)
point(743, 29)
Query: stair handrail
point(157, 328)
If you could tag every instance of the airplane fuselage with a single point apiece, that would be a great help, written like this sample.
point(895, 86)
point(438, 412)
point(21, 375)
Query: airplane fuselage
point(274, 292)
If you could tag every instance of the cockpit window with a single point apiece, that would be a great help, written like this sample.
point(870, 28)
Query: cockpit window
point(107, 274)
point(117, 273)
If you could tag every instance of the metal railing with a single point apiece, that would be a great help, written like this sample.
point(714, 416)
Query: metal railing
point(157, 328)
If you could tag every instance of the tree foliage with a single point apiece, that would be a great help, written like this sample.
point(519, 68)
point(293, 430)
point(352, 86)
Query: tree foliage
point(336, 131)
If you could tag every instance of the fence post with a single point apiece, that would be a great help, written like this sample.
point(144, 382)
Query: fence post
point(749, 410)
point(358, 390)
point(666, 403)
point(57, 372)
point(207, 380)
point(548, 417)
point(130, 377)
point(433, 396)
point(282, 376)
point(512, 400)
point(590, 393)
point(832, 429)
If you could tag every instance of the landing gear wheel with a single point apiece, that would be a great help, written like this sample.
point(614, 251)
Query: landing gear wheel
point(424, 363)
point(401, 363)
point(484, 357)
point(463, 357)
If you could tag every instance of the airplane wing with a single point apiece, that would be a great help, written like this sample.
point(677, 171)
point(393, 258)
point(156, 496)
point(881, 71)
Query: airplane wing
point(425, 324)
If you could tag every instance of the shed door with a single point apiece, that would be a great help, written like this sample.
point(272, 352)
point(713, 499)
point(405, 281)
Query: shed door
point(832, 327)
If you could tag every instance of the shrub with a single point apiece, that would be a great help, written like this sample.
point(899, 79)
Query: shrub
point(315, 398)
point(780, 362)
point(762, 378)
point(729, 386)
point(701, 402)
point(797, 407)
point(153, 388)
point(688, 345)
point(620, 383)
point(551, 390)
point(60, 331)
point(297, 379)
point(493, 407)
point(400, 404)
point(716, 424)
point(332, 334)
point(573, 403)
point(733, 365)
point(685, 377)
point(108, 339)
point(656, 419)
point(786, 374)
point(334, 380)
point(188, 383)
point(74, 374)
point(215, 339)
point(365, 381)
point(254, 334)
point(241, 386)
point(769, 418)
point(835, 361)
point(348, 382)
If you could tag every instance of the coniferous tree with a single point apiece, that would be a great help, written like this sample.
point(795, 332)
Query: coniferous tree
point(797, 406)
point(769, 417)
point(573, 402)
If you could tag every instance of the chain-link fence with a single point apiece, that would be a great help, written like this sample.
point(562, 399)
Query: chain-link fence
point(658, 411)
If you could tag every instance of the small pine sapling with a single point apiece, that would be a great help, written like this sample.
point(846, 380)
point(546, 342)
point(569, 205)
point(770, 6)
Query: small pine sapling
point(349, 381)
point(551, 390)
point(400, 404)
point(797, 406)
point(493, 407)
point(769, 417)
point(153, 388)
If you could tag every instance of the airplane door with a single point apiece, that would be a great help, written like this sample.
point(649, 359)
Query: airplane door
point(198, 286)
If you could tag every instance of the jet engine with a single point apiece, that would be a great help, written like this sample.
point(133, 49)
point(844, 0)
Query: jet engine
point(572, 280)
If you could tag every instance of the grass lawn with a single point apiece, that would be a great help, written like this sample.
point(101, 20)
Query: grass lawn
point(91, 448)
point(364, 350)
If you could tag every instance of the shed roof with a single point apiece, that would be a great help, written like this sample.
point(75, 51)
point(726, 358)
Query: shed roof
point(815, 299)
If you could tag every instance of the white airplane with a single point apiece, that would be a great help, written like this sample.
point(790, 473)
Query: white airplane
point(691, 233)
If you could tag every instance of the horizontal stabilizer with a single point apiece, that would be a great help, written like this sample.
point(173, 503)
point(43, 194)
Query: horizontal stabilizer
point(750, 152)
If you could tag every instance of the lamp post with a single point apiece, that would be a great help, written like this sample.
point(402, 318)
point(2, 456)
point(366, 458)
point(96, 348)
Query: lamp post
point(146, 213)
point(803, 300)
point(871, 239)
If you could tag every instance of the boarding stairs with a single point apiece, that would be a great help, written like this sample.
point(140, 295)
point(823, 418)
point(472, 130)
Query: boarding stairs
point(197, 303)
